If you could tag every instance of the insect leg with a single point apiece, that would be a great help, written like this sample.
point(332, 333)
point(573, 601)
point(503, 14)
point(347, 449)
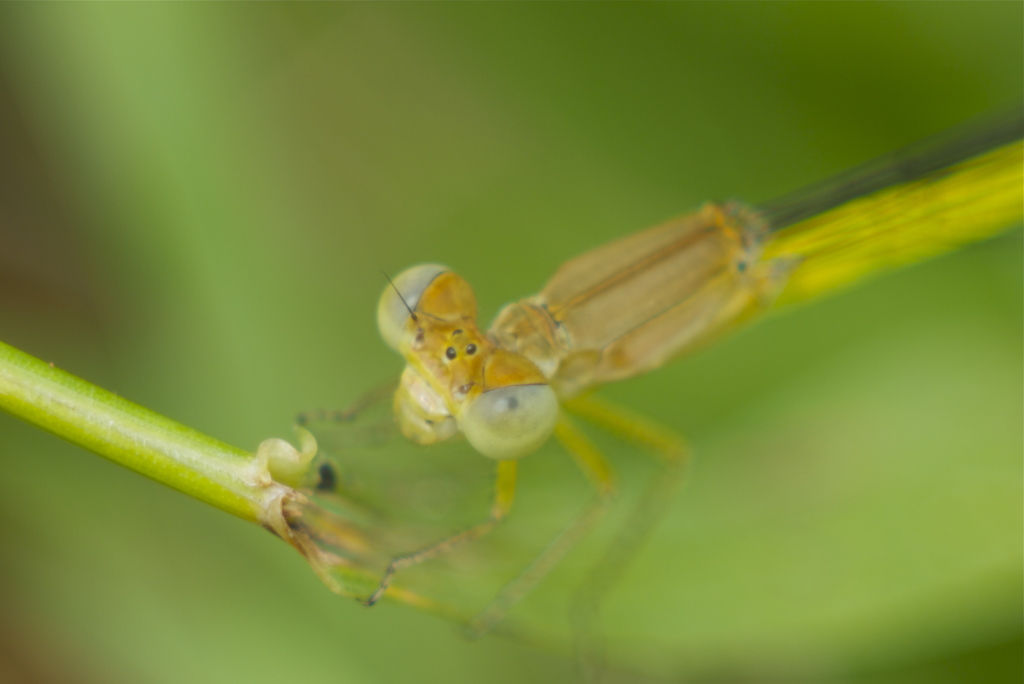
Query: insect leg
point(674, 454)
point(504, 492)
point(377, 395)
point(597, 469)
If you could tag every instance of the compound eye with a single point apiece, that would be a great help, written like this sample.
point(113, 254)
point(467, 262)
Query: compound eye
point(392, 313)
point(510, 422)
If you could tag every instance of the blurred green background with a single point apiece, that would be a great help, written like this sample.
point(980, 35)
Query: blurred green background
point(195, 207)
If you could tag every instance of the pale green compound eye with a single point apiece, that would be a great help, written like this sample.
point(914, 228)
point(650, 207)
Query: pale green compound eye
point(510, 422)
point(392, 312)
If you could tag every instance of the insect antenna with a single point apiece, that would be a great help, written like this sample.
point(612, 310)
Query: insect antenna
point(397, 292)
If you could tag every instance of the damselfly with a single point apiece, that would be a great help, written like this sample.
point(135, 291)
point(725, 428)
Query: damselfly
point(629, 307)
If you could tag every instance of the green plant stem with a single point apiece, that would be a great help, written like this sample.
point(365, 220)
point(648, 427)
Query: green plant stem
point(229, 478)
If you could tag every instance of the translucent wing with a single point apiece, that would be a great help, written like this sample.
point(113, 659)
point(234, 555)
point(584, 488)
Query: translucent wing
point(398, 497)
point(374, 495)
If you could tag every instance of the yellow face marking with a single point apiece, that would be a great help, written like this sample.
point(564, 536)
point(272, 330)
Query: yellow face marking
point(445, 349)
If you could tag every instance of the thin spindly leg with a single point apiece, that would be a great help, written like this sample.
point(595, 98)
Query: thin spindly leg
point(375, 396)
point(504, 492)
point(674, 454)
point(597, 469)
